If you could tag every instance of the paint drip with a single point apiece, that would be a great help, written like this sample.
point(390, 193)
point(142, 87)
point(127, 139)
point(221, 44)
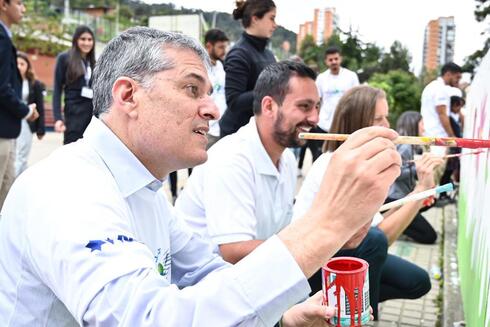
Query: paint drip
point(346, 287)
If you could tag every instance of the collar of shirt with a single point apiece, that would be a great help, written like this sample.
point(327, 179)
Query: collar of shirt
point(9, 32)
point(263, 162)
point(128, 172)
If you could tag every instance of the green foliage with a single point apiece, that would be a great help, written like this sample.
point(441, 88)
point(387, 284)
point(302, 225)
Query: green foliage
point(397, 58)
point(403, 90)
point(309, 52)
point(42, 33)
point(427, 76)
point(482, 11)
point(365, 59)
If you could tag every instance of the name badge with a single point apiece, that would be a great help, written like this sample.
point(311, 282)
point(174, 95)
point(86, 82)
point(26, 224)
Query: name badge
point(87, 92)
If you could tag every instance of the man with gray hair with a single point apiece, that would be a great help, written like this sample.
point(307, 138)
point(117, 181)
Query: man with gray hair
point(103, 248)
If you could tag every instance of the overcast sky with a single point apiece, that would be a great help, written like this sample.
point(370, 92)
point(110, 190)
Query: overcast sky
point(378, 21)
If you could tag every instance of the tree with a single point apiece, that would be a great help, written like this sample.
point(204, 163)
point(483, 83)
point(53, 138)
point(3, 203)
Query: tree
point(309, 51)
point(397, 58)
point(482, 11)
point(403, 91)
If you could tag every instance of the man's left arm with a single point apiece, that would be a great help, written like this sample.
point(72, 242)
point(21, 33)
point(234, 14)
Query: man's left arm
point(8, 98)
point(444, 119)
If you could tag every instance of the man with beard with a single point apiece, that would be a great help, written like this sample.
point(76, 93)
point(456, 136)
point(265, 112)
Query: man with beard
point(244, 193)
point(216, 42)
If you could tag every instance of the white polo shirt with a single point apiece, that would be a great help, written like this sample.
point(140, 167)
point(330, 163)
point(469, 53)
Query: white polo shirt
point(311, 185)
point(436, 93)
point(331, 88)
point(239, 194)
point(216, 75)
point(86, 238)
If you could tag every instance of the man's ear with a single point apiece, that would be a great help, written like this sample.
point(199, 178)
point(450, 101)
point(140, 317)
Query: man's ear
point(268, 106)
point(124, 96)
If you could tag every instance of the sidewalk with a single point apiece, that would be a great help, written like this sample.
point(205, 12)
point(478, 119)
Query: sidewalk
point(423, 311)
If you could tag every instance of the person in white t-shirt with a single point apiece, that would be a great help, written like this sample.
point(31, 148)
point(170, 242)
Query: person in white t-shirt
point(435, 104)
point(331, 84)
point(216, 42)
point(390, 276)
point(98, 245)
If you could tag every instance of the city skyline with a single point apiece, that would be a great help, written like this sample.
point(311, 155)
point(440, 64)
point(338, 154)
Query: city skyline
point(379, 21)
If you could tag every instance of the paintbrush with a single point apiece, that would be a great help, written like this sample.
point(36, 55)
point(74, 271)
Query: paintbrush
point(456, 155)
point(419, 140)
point(417, 196)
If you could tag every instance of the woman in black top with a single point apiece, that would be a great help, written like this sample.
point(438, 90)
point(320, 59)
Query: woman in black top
point(32, 92)
point(246, 60)
point(73, 76)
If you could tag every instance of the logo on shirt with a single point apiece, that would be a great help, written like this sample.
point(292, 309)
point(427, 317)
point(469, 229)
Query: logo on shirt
point(163, 261)
point(94, 245)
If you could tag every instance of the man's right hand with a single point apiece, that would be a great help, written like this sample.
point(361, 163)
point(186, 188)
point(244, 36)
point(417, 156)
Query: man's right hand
point(34, 115)
point(353, 189)
point(59, 126)
point(358, 177)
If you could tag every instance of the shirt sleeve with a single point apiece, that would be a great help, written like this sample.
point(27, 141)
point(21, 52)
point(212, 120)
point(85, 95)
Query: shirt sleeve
point(237, 69)
point(9, 100)
point(441, 97)
point(59, 81)
point(355, 79)
point(254, 292)
point(229, 200)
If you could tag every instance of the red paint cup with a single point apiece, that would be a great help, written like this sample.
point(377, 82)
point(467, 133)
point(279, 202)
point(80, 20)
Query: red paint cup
point(346, 287)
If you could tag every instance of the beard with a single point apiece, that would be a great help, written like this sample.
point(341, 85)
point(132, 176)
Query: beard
point(288, 137)
point(214, 56)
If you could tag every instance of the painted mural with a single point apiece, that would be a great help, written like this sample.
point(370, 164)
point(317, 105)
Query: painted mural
point(474, 206)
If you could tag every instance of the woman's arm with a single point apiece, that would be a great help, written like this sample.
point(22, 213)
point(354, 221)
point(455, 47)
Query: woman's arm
point(397, 220)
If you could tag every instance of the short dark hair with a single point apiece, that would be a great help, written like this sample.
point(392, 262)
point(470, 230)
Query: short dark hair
point(332, 50)
point(246, 9)
point(273, 81)
point(457, 100)
point(215, 35)
point(450, 67)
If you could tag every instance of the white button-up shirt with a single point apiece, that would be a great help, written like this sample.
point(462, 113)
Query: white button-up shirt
point(331, 88)
point(436, 93)
point(239, 194)
point(85, 238)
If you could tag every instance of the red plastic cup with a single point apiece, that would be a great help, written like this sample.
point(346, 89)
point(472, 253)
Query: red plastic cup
point(346, 287)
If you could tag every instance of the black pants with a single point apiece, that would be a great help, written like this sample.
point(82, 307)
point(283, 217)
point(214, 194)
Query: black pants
point(401, 279)
point(315, 147)
point(421, 231)
point(77, 118)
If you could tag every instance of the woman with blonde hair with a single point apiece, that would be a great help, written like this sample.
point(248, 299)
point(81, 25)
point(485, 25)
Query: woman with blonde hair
point(390, 277)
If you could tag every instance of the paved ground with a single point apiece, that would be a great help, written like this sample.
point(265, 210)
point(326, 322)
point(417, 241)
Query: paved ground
point(405, 313)
point(423, 311)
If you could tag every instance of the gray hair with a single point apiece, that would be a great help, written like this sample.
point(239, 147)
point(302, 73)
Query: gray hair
point(137, 53)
